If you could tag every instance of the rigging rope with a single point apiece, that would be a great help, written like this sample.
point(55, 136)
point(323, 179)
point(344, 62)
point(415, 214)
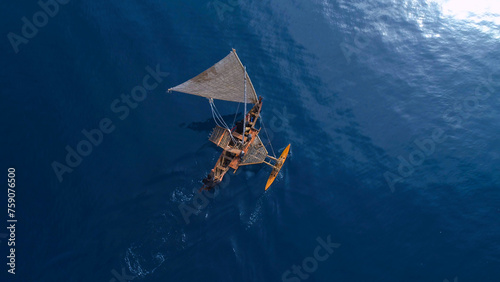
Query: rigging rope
point(236, 114)
point(218, 118)
point(213, 115)
point(267, 136)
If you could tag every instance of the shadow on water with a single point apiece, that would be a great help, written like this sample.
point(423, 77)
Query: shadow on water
point(189, 166)
point(209, 124)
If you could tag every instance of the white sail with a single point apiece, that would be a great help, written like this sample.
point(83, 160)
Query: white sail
point(223, 81)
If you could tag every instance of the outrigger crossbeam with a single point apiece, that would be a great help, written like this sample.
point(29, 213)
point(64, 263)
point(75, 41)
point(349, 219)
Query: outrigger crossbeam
point(242, 152)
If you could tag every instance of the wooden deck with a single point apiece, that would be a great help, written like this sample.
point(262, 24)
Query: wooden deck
point(231, 157)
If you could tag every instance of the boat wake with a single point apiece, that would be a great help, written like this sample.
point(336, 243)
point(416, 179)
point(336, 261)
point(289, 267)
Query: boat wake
point(134, 260)
point(256, 215)
point(165, 240)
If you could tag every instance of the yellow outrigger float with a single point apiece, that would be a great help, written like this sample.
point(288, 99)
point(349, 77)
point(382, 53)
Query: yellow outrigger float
point(277, 166)
point(228, 80)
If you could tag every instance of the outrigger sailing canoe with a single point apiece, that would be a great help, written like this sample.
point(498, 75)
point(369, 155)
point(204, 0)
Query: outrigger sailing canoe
point(228, 80)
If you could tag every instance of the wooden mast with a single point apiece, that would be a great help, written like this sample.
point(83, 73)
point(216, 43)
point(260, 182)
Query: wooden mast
point(245, 109)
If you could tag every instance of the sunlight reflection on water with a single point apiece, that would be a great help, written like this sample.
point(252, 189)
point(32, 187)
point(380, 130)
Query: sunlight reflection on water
point(481, 14)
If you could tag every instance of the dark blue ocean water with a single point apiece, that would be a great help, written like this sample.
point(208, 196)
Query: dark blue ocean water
point(392, 109)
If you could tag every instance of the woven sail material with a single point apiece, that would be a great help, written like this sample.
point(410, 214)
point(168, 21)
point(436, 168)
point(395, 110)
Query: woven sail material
point(256, 153)
point(223, 81)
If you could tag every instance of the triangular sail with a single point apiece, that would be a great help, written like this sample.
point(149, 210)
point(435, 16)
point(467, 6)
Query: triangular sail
point(256, 153)
point(223, 81)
